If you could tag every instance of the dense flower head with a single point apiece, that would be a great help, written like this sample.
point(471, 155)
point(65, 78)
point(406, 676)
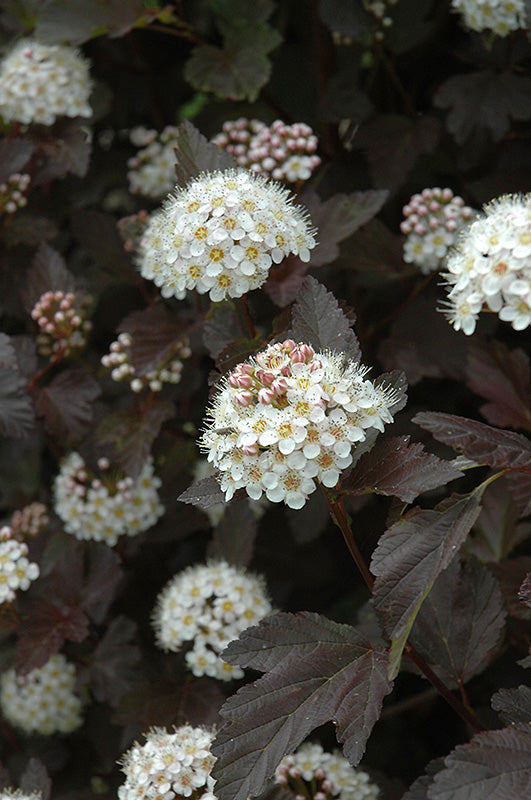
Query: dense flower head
point(221, 234)
point(169, 765)
point(279, 151)
point(208, 606)
point(16, 571)
point(288, 417)
point(44, 700)
point(61, 317)
point(119, 361)
point(13, 193)
point(313, 774)
point(18, 794)
point(40, 82)
point(432, 222)
point(30, 520)
point(152, 170)
point(499, 16)
point(490, 267)
point(106, 505)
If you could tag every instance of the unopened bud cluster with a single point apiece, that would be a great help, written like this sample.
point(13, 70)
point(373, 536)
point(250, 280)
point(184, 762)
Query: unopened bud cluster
point(152, 171)
point(313, 774)
point(221, 234)
point(61, 317)
point(107, 505)
point(490, 267)
point(119, 361)
point(279, 151)
point(13, 193)
point(208, 606)
point(432, 222)
point(289, 417)
point(16, 571)
point(44, 700)
point(170, 766)
point(131, 229)
point(30, 520)
point(39, 83)
point(499, 16)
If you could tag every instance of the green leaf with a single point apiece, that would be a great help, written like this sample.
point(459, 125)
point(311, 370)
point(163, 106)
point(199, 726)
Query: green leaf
point(234, 75)
point(317, 670)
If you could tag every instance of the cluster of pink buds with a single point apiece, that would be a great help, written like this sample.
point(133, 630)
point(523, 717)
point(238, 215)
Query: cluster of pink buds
point(131, 229)
point(432, 221)
point(30, 520)
point(119, 361)
point(279, 151)
point(13, 193)
point(61, 319)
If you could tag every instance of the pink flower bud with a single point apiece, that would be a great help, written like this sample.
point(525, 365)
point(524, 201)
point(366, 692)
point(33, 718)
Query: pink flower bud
point(279, 386)
point(243, 398)
point(250, 449)
point(266, 378)
point(266, 396)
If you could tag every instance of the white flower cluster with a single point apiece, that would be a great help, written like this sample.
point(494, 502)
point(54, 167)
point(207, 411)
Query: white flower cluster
point(107, 506)
point(499, 16)
point(18, 794)
point(221, 234)
point(432, 221)
point(169, 765)
point(16, 572)
point(490, 267)
point(152, 170)
point(12, 193)
point(118, 360)
point(39, 83)
point(43, 701)
point(61, 319)
point(209, 606)
point(313, 774)
point(279, 151)
point(290, 416)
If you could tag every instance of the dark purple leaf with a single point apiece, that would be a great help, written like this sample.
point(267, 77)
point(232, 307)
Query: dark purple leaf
point(223, 325)
point(29, 229)
point(14, 155)
point(524, 592)
point(318, 320)
point(410, 556)
point(392, 145)
point(501, 376)
point(494, 765)
point(511, 573)
point(195, 154)
point(520, 483)
point(127, 436)
point(339, 217)
point(204, 493)
point(155, 337)
point(307, 523)
point(284, 281)
point(48, 272)
point(234, 536)
point(419, 789)
point(45, 627)
point(166, 702)
point(97, 233)
point(111, 669)
point(396, 467)
point(461, 622)
point(484, 99)
point(66, 151)
point(17, 419)
point(103, 574)
point(238, 351)
point(66, 405)
point(496, 533)
point(35, 779)
point(76, 22)
point(349, 19)
point(317, 670)
point(513, 705)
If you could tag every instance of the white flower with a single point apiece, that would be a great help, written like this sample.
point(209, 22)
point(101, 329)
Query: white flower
point(16, 572)
point(432, 220)
point(499, 16)
point(221, 234)
point(152, 171)
point(490, 267)
point(18, 794)
point(169, 765)
point(326, 775)
point(290, 416)
point(44, 700)
point(39, 83)
point(104, 508)
point(209, 606)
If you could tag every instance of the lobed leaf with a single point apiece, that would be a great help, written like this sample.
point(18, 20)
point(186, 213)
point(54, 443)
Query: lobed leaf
point(67, 151)
point(66, 405)
point(513, 705)
point(349, 19)
point(234, 536)
point(195, 154)
point(396, 467)
point(495, 764)
point(317, 670)
point(461, 622)
point(496, 532)
point(155, 334)
point(165, 702)
point(48, 272)
point(112, 663)
point(76, 21)
point(318, 320)
point(511, 573)
point(17, 419)
point(45, 627)
point(222, 326)
point(14, 155)
point(97, 233)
